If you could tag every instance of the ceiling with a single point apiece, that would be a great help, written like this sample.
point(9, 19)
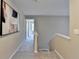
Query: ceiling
point(43, 7)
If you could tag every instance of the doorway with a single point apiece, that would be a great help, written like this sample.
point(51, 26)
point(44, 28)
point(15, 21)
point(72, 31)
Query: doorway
point(29, 29)
point(29, 41)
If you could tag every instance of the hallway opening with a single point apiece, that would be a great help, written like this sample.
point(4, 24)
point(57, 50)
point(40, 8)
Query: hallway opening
point(29, 29)
point(28, 44)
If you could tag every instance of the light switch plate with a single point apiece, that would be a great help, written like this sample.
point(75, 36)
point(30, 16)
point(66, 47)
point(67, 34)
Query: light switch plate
point(76, 31)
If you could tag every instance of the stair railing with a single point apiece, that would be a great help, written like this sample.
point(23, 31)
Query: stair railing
point(36, 42)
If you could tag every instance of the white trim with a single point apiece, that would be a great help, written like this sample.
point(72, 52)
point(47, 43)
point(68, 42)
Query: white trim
point(16, 50)
point(44, 49)
point(35, 51)
point(63, 36)
point(60, 56)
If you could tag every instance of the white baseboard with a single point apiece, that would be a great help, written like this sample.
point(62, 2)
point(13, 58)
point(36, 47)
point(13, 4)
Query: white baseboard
point(16, 50)
point(60, 56)
point(44, 50)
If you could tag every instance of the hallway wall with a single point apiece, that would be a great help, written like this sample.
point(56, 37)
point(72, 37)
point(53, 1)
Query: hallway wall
point(9, 43)
point(48, 26)
point(69, 49)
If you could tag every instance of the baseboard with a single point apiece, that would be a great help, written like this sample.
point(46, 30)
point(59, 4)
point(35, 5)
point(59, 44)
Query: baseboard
point(59, 55)
point(16, 50)
point(44, 50)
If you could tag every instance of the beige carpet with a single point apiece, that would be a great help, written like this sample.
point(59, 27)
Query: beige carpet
point(40, 55)
point(26, 52)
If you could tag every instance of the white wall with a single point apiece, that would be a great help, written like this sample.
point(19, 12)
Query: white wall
point(9, 43)
point(47, 26)
point(69, 49)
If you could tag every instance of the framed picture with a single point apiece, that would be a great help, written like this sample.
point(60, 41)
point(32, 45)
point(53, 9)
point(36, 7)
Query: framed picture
point(9, 19)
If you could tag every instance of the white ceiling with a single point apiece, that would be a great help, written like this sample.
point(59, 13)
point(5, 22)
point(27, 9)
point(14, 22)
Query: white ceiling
point(43, 7)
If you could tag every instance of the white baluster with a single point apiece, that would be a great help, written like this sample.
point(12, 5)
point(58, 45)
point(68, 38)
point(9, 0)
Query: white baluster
point(36, 43)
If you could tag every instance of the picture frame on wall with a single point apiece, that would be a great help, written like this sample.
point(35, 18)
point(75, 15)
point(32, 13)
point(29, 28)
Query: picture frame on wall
point(9, 19)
